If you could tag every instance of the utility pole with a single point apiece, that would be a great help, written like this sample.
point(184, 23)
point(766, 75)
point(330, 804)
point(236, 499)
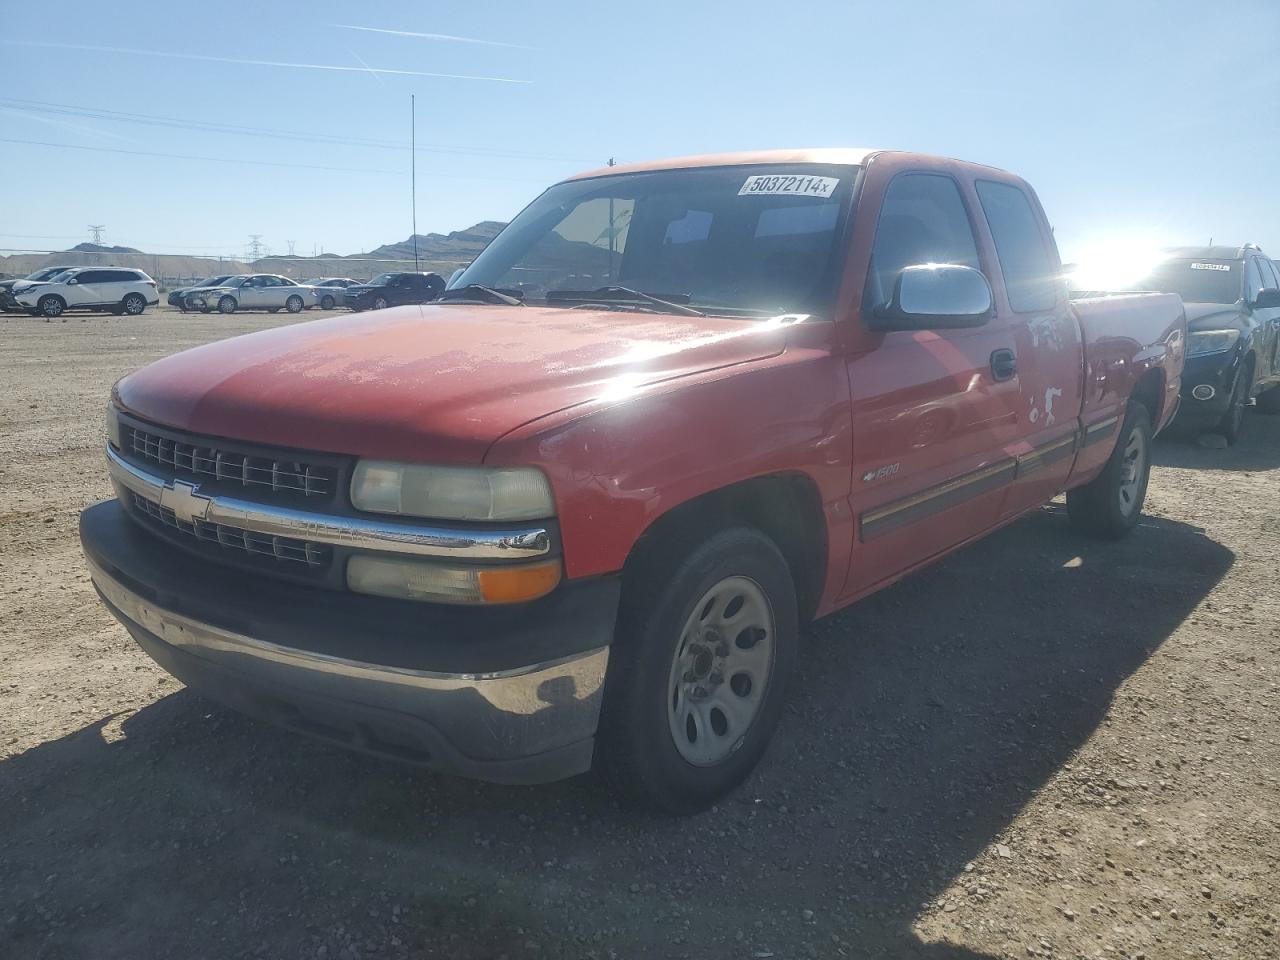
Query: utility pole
point(96, 230)
point(255, 246)
point(413, 172)
point(290, 243)
point(613, 244)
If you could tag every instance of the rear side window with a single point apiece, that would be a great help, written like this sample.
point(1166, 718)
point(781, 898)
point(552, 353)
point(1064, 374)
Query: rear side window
point(1252, 279)
point(1024, 258)
point(922, 220)
point(1270, 279)
point(123, 276)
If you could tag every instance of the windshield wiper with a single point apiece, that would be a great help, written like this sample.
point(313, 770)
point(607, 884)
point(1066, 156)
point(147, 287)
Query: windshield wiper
point(482, 294)
point(623, 295)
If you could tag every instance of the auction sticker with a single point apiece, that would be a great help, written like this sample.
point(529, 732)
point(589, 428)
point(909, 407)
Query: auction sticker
point(1225, 267)
point(789, 185)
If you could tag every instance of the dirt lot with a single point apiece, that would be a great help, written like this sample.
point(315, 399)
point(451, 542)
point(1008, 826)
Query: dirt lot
point(1040, 747)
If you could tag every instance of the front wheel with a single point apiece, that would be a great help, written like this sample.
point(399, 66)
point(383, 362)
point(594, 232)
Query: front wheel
point(327, 302)
point(1232, 422)
point(380, 303)
point(52, 306)
point(698, 670)
point(294, 304)
point(227, 304)
point(1109, 505)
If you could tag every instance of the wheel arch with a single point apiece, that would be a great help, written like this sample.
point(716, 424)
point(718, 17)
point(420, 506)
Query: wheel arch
point(1150, 392)
point(786, 507)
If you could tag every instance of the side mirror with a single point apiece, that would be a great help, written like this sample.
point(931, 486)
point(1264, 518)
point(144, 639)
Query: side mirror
point(1267, 299)
point(71, 280)
point(936, 296)
point(454, 276)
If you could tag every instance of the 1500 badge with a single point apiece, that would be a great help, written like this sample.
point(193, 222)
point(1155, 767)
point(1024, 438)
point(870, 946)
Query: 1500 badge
point(879, 474)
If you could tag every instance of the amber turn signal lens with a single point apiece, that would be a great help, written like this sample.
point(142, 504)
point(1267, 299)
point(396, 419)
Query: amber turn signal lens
point(516, 584)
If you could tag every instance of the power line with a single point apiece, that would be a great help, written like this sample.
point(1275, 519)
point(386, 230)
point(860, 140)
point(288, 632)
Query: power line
point(119, 116)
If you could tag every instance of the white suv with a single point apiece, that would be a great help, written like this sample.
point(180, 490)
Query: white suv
point(88, 288)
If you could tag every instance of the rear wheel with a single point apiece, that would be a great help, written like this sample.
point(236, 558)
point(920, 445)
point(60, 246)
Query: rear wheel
point(1109, 505)
point(133, 304)
point(327, 302)
point(227, 304)
point(52, 306)
point(698, 670)
point(294, 304)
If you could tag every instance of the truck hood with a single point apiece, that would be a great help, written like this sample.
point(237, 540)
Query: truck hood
point(1212, 316)
point(428, 383)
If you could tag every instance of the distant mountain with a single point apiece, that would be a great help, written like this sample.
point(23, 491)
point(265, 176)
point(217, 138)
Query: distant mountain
point(100, 248)
point(438, 252)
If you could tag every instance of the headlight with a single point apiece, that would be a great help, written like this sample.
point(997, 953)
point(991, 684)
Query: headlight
point(443, 583)
point(113, 425)
point(452, 493)
point(1202, 343)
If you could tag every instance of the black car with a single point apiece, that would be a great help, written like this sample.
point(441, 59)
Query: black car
point(393, 290)
point(1232, 296)
point(176, 296)
point(7, 302)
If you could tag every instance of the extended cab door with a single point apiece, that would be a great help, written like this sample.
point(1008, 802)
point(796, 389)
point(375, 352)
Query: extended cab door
point(932, 409)
point(1047, 342)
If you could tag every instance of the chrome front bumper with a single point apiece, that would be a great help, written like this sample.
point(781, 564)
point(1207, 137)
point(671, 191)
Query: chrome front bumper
point(526, 725)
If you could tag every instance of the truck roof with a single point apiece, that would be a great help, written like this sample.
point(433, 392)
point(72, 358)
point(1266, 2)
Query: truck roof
point(852, 156)
point(1218, 252)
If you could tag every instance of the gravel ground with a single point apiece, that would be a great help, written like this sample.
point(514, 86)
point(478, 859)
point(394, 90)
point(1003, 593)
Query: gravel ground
point(1043, 746)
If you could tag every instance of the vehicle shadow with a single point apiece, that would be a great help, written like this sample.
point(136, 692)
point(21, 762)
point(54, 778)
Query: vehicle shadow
point(1257, 449)
point(921, 722)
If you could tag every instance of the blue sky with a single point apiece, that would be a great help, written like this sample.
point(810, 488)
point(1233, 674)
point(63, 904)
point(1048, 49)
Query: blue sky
point(1142, 122)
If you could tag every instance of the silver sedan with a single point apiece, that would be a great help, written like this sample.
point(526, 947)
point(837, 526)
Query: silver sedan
point(258, 291)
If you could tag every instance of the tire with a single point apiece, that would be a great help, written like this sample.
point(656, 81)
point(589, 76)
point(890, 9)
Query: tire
point(380, 303)
point(206, 309)
point(294, 304)
point(51, 306)
point(227, 304)
point(133, 304)
point(273, 309)
point(1268, 401)
point(1110, 504)
point(327, 302)
point(680, 726)
point(1232, 423)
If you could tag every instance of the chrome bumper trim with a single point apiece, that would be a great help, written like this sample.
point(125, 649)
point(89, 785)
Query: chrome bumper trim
point(356, 533)
point(469, 721)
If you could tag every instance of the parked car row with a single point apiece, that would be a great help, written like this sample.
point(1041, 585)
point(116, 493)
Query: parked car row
point(53, 291)
point(272, 292)
point(1232, 299)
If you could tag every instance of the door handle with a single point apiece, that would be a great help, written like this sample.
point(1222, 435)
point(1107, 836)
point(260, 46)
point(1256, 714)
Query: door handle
point(1004, 364)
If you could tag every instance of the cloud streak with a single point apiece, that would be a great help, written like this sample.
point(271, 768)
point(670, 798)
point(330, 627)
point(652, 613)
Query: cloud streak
point(171, 55)
point(433, 36)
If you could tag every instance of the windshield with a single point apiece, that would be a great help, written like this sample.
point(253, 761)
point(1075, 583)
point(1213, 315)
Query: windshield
point(741, 240)
point(382, 279)
point(1196, 281)
point(48, 273)
point(211, 282)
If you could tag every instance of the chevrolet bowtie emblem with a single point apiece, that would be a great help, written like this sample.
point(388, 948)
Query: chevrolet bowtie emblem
point(182, 499)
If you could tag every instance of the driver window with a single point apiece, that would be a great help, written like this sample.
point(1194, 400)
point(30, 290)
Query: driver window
point(922, 220)
point(1252, 279)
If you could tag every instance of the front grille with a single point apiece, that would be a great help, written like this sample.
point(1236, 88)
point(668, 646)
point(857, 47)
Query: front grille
point(209, 461)
point(314, 556)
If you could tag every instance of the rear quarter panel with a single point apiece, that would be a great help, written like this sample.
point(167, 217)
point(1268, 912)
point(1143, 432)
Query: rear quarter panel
point(1125, 338)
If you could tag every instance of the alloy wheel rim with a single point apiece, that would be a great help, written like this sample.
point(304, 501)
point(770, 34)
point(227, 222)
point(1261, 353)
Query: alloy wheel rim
point(1131, 471)
point(133, 305)
point(720, 673)
point(53, 308)
point(379, 304)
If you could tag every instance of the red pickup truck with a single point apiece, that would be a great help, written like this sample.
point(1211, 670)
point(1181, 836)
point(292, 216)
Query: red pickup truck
point(577, 510)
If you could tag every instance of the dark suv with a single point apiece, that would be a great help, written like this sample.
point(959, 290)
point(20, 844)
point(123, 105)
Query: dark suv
point(394, 289)
point(1232, 296)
